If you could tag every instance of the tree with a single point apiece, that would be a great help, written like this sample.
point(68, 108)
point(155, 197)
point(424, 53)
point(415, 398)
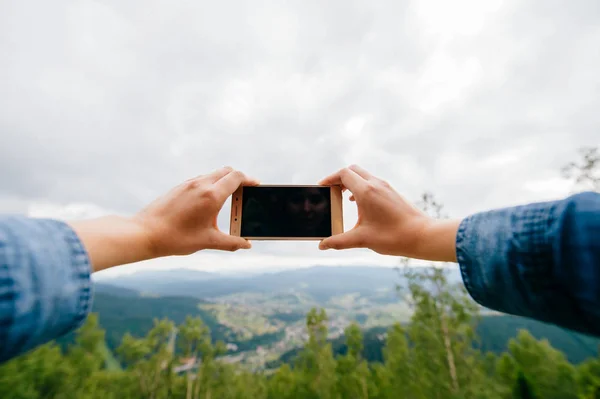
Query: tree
point(588, 378)
point(523, 388)
point(396, 379)
point(194, 340)
point(86, 354)
point(150, 359)
point(352, 370)
point(585, 172)
point(41, 373)
point(442, 358)
point(212, 375)
point(547, 371)
point(283, 384)
point(316, 365)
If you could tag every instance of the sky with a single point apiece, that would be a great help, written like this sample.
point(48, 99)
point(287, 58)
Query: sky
point(104, 105)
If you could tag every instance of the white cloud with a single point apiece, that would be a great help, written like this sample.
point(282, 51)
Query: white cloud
point(458, 18)
point(550, 188)
point(73, 211)
point(105, 105)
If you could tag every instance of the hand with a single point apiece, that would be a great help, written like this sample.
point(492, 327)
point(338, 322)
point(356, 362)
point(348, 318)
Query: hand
point(387, 223)
point(184, 221)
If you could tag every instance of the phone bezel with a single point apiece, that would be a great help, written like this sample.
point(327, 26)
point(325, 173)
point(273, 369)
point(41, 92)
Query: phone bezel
point(337, 220)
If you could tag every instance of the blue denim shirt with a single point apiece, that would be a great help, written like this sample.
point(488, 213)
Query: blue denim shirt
point(540, 260)
point(45, 286)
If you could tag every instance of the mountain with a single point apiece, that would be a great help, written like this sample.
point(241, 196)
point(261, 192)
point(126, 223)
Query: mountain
point(136, 314)
point(320, 282)
point(159, 281)
point(496, 330)
point(100, 288)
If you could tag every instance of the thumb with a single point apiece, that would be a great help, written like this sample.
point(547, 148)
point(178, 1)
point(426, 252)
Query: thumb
point(226, 242)
point(351, 239)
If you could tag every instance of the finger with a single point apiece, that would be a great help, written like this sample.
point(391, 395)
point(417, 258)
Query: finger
point(226, 242)
point(213, 176)
point(218, 174)
point(251, 181)
point(347, 178)
point(351, 239)
point(361, 172)
point(231, 182)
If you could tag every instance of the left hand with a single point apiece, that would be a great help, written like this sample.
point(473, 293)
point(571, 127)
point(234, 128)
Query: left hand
point(184, 221)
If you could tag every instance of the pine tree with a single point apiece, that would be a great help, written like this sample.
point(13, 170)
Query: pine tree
point(396, 379)
point(150, 359)
point(588, 378)
point(211, 375)
point(194, 340)
point(283, 384)
point(316, 365)
point(352, 371)
point(441, 331)
point(41, 373)
point(522, 388)
point(86, 355)
point(548, 371)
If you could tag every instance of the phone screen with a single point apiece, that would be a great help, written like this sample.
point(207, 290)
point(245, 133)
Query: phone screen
point(286, 212)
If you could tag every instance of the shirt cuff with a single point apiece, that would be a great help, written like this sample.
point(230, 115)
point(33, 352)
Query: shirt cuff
point(47, 289)
point(81, 272)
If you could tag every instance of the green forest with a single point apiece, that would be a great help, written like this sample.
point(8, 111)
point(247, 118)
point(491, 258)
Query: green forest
point(436, 355)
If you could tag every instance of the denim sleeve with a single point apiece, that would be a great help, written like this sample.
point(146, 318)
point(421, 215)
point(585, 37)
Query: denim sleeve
point(540, 261)
point(45, 286)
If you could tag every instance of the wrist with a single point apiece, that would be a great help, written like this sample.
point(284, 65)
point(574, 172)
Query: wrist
point(147, 238)
point(129, 240)
point(112, 241)
point(437, 240)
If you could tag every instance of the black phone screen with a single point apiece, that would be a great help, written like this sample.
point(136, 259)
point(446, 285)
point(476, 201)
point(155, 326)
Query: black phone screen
point(286, 212)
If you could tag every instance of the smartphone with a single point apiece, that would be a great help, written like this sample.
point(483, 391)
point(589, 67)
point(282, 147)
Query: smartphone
point(286, 212)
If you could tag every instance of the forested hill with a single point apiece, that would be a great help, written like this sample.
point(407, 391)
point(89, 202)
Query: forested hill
point(123, 310)
point(494, 332)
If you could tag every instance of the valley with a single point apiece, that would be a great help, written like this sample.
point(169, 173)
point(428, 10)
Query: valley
point(261, 318)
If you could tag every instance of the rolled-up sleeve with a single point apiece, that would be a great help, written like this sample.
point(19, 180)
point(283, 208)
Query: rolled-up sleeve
point(45, 286)
point(540, 260)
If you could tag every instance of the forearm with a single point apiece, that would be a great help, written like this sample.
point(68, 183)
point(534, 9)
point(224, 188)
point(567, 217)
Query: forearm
point(112, 241)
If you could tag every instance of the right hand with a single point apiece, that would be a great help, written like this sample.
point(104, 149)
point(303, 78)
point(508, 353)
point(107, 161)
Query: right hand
point(387, 223)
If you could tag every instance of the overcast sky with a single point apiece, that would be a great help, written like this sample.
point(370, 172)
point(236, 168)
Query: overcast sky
point(106, 104)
